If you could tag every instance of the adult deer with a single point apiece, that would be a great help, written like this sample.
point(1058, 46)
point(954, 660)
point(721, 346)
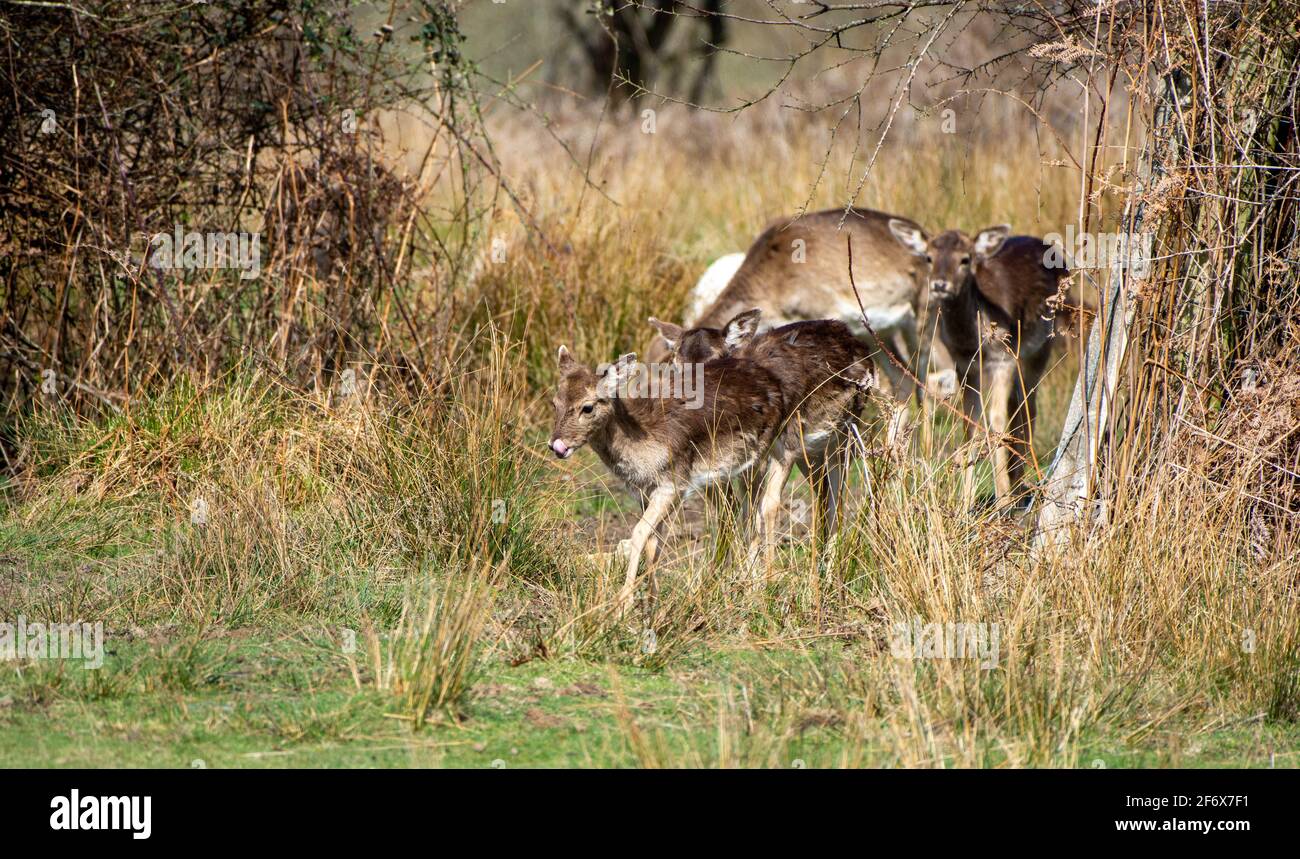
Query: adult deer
point(798, 269)
point(994, 297)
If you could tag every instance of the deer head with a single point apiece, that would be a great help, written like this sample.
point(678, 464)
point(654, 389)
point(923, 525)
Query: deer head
point(584, 400)
point(952, 257)
point(698, 345)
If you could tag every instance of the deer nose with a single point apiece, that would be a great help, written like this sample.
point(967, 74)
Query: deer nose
point(940, 286)
point(561, 449)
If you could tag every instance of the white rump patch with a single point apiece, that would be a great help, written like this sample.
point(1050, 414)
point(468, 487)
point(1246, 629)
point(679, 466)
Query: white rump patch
point(710, 286)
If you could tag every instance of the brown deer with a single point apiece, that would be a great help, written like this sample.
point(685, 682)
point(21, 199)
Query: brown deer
point(994, 296)
point(662, 447)
point(798, 269)
point(824, 372)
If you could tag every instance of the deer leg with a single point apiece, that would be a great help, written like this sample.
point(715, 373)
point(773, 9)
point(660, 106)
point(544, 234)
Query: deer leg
point(828, 484)
point(970, 408)
point(997, 405)
point(940, 359)
point(1022, 428)
point(815, 471)
point(1019, 430)
point(658, 505)
point(651, 550)
point(830, 487)
point(768, 507)
point(909, 350)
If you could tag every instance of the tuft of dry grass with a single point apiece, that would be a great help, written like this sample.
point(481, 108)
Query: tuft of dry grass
point(430, 658)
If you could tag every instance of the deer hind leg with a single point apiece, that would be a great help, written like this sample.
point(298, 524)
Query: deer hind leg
point(997, 405)
point(828, 484)
point(768, 508)
point(658, 506)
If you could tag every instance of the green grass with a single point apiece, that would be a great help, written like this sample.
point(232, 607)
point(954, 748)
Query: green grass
point(267, 700)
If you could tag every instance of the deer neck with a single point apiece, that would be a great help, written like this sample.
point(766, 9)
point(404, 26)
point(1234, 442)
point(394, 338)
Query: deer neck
point(629, 446)
point(959, 322)
point(623, 432)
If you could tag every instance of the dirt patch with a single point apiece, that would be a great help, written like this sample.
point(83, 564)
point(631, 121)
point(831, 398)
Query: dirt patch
point(539, 718)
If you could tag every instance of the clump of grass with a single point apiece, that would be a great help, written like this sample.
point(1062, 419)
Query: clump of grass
point(188, 664)
point(431, 657)
point(241, 503)
point(737, 740)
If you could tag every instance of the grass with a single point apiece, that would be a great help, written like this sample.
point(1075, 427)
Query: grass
point(377, 607)
point(258, 701)
point(403, 579)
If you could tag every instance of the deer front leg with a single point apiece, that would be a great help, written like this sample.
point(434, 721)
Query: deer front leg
point(658, 505)
point(1022, 432)
point(997, 405)
point(827, 478)
point(970, 407)
point(904, 341)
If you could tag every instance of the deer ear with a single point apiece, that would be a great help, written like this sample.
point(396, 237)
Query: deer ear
point(617, 375)
point(565, 359)
point(741, 329)
point(671, 333)
point(989, 241)
point(909, 236)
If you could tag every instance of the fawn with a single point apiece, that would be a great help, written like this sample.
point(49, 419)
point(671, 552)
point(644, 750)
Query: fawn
point(995, 300)
point(824, 373)
point(660, 447)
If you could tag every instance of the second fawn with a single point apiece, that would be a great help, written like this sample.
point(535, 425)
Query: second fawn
point(824, 373)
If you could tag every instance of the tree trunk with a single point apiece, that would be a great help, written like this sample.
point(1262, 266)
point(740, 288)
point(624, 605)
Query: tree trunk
point(1071, 479)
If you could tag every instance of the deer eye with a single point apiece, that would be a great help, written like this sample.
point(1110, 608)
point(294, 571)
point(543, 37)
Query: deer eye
point(588, 408)
point(965, 260)
point(928, 259)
